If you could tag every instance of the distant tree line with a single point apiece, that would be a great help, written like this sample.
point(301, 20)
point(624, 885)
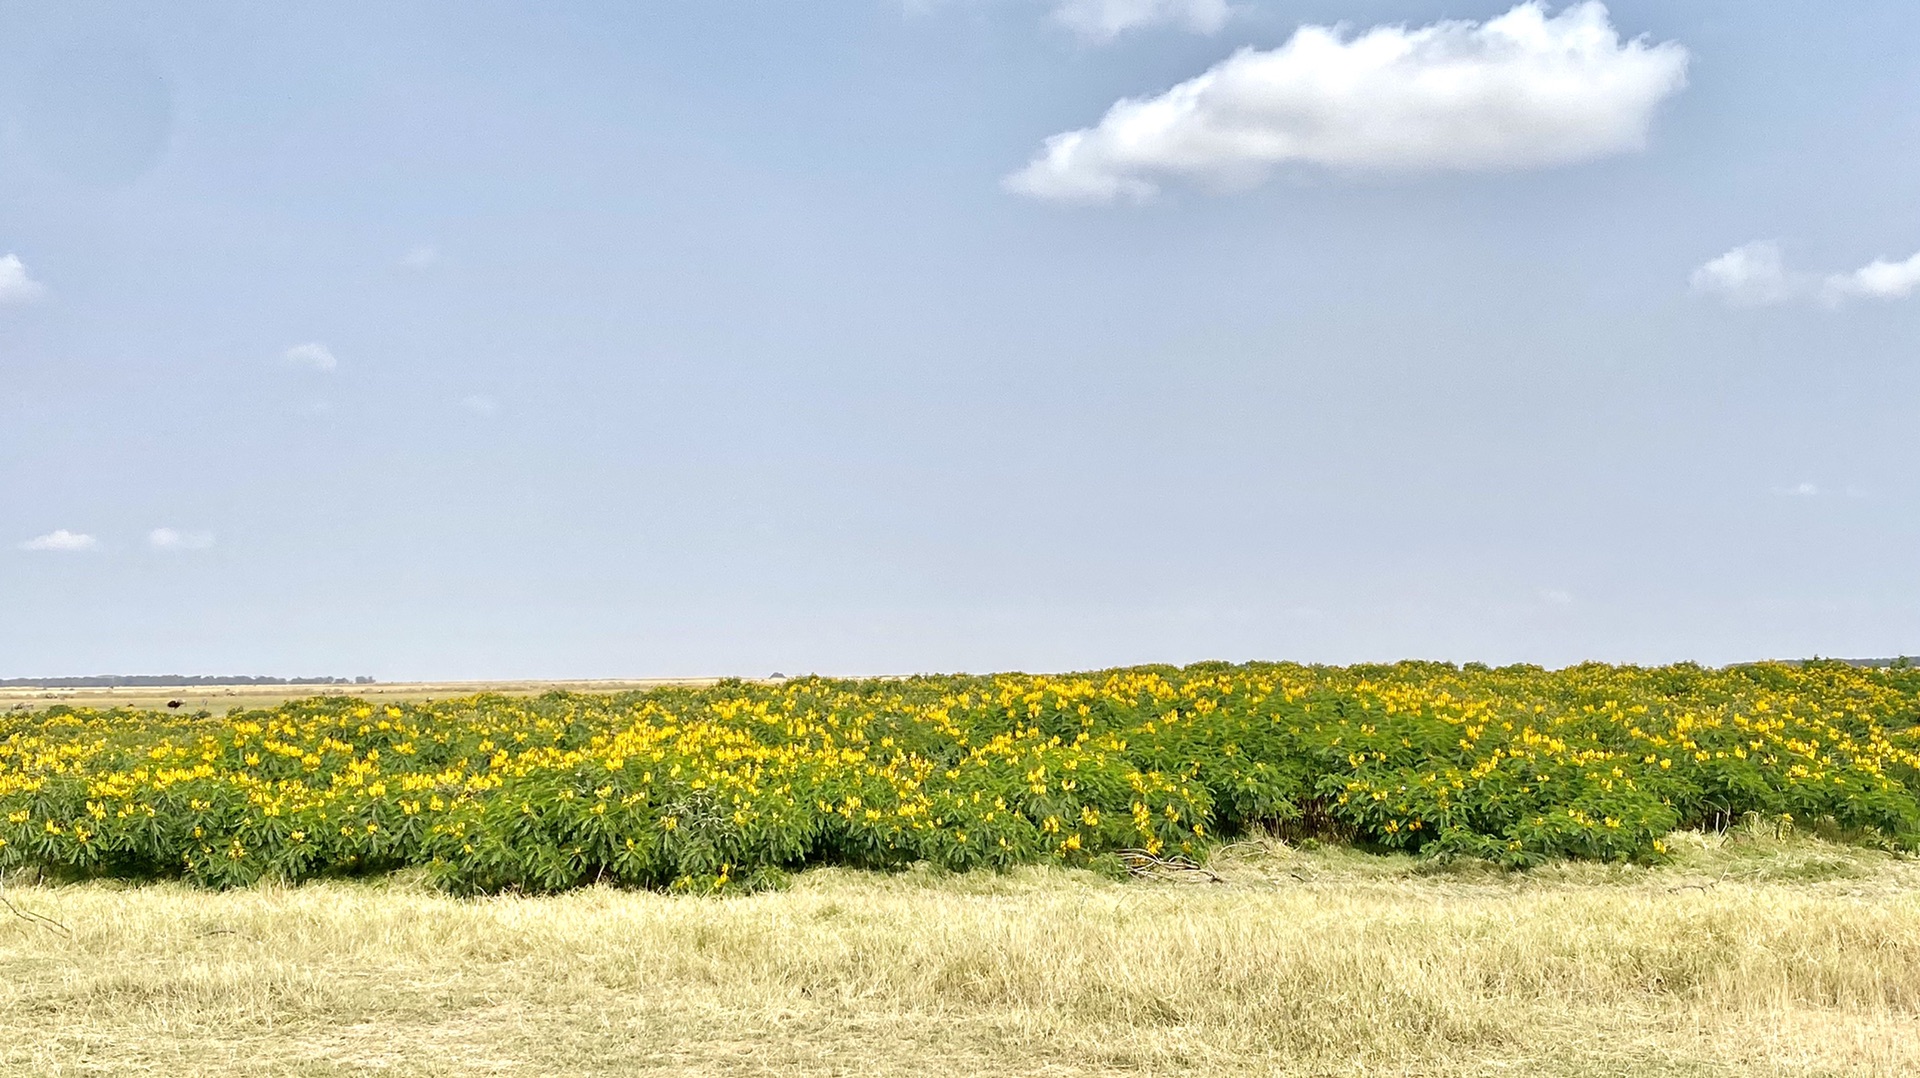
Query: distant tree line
point(1898, 662)
point(116, 681)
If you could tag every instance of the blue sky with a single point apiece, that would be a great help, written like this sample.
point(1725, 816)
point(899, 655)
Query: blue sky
point(496, 340)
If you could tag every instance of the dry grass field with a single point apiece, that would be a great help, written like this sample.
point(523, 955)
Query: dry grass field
point(1750, 955)
point(218, 699)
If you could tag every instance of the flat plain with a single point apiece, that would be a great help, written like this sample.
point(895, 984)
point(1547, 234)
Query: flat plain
point(554, 886)
point(1750, 953)
point(218, 699)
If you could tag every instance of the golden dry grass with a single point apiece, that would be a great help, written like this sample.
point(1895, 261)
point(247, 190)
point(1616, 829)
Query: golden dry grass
point(1757, 956)
point(218, 699)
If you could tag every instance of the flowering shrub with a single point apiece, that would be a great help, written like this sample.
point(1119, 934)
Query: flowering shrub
point(728, 786)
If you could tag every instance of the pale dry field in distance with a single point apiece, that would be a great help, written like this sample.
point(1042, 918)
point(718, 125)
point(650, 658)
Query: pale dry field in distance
point(1751, 955)
point(218, 699)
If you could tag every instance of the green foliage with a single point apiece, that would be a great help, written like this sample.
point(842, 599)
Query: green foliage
point(732, 786)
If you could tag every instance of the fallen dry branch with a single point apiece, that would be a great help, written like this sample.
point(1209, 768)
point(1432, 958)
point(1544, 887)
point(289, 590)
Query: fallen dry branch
point(1175, 867)
point(36, 919)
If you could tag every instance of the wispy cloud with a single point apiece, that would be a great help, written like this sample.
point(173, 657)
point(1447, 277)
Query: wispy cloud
point(61, 539)
point(420, 257)
point(480, 405)
point(1103, 20)
point(1757, 275)
point(313, 355)
point(175, 539)
point(16, 287)
point(1556, 596)
point(1751, 275)
point(1522, 91)
point(1098, 22)
point(1815, 490)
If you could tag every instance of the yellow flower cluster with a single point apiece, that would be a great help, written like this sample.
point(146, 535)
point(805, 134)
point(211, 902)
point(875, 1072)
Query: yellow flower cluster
point(731, 785)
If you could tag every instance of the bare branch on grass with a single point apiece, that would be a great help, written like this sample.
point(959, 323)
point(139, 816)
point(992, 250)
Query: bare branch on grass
point(1174, 867)
point(36, 919)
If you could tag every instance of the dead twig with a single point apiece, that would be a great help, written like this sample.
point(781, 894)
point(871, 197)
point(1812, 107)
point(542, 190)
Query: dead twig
point(1144, 865)
point(36, 919)
point(1708, 886)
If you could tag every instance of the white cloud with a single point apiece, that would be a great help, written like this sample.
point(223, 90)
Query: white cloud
point(1757, 275)
point(61, 539)
point(1879, 279)
point(480, 405)
point(420, 257)
point(1556, 596)
point(1752, 275)
point(312, 354)
point(1814, 490)
point(1104, 20)
point(15, 286)
point(1520, 91)
point(174, 539)
point(1100, 21)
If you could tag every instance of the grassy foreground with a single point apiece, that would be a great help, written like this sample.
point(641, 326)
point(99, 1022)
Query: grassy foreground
point(1749, 955)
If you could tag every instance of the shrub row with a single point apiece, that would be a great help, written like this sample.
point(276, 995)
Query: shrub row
point(732, 785)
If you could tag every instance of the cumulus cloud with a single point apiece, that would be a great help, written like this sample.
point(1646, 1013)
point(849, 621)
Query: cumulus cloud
point(1879, 279)
point(15, 286)
point(312, 354)
point(61, 539)
point(1756, 275)
point(1524, 90)
point(1104, 20)
point(175, 539)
